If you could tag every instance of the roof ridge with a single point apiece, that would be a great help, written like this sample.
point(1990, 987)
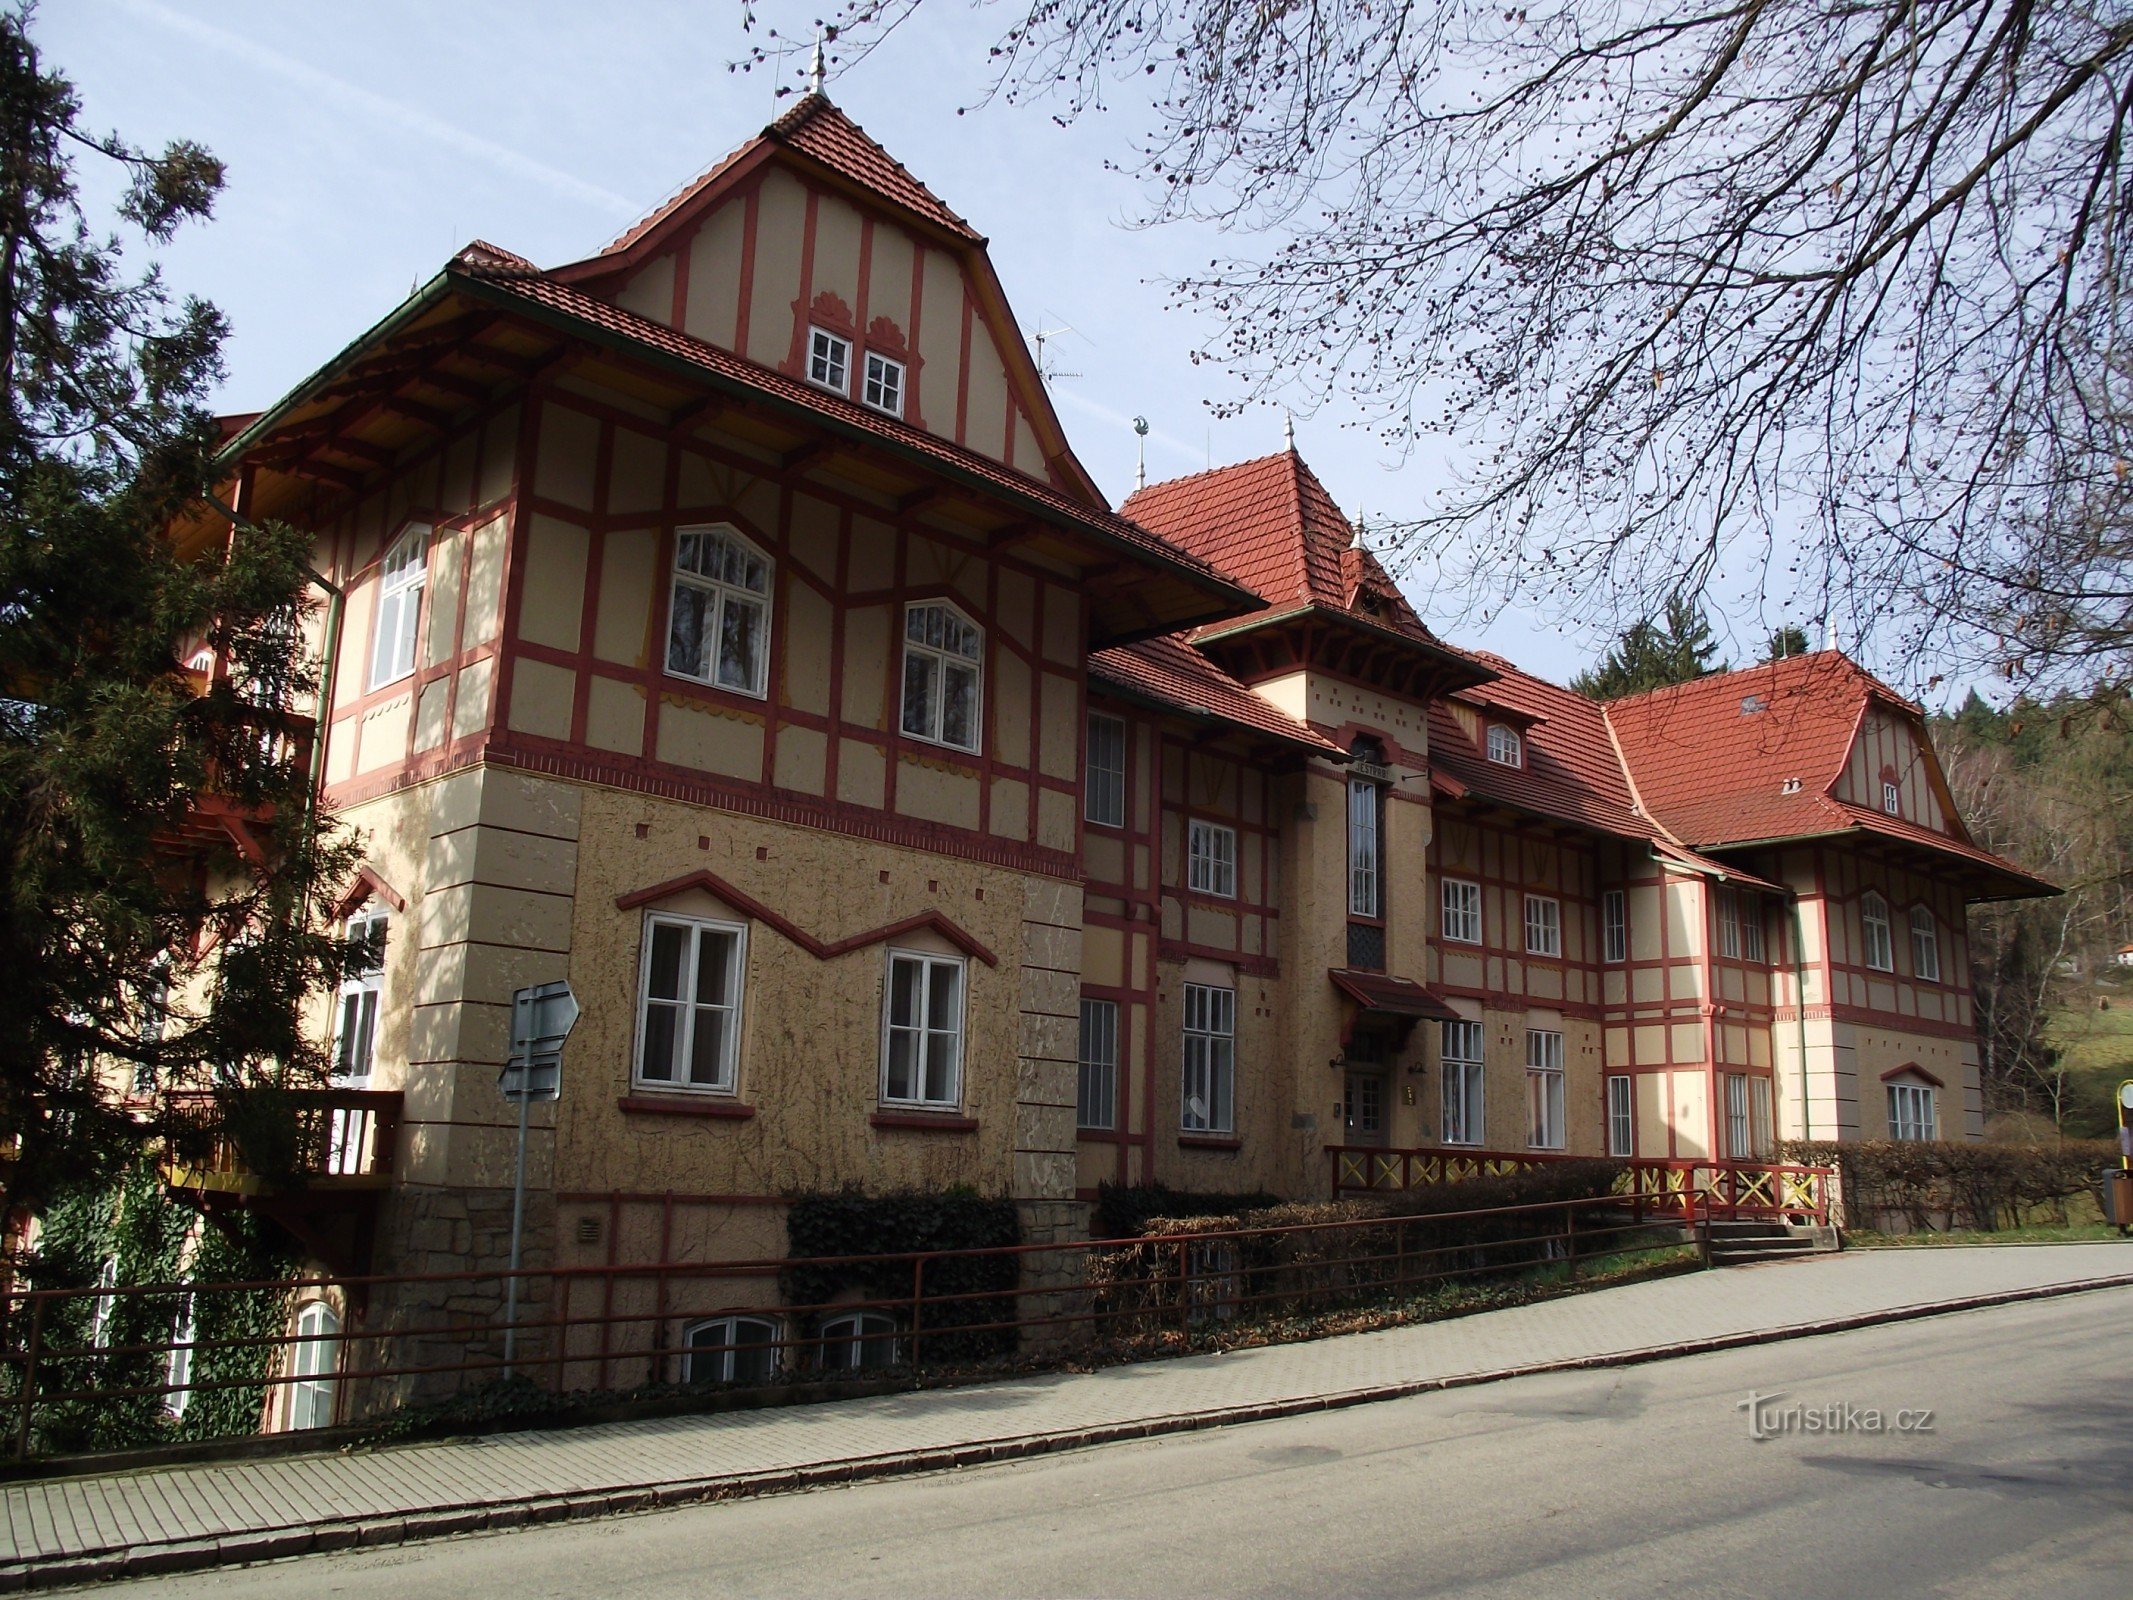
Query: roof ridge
point(1209, 472)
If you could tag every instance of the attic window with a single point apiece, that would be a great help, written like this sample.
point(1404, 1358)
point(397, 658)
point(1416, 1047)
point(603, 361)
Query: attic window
point(884, 389)
point(1789, 786)
point(829, 360)
point(1506, 749)
point(1891, 799)
point(1750, 704)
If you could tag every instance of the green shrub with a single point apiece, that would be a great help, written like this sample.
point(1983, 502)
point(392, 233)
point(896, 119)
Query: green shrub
point(854, 1224)
point(1950, 1184)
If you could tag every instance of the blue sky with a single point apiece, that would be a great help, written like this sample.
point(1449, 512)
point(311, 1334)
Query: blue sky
point(366, 143)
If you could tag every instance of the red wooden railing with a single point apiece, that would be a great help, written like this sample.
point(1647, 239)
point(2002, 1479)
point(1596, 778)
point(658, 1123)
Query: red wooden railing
point(1687, 1188)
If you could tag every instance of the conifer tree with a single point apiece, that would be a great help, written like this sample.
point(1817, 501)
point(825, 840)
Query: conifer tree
point(1678, 648)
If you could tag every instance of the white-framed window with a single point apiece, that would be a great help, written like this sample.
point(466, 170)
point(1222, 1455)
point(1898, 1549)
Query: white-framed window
point(1911, 1112)
point(1461, 911)
point(718, 611)
point(1210, 1076)
point(730, 1349)
point(689, 1003)
point(922, 1031)
point(1463, 1096)
point(1096, 1093)
point(1874, 932)
point(1544, 925)
point(155, 1019)
point(944, 653)
point(1740, 925)
point(314, 1357)
point(1506, 748)
point(1366, 810)
point(1621, 1116)
point(1925, 944)
point(106, 1303)
point(884, 385)
point(1103, 796)
point(857, 1341)
point(178, 1365)
point(401, 576)
point(1891, 799)
point(1544, 1089)
point(1740, 1138)
point(355, 1039)
point(1211, 859)
point(829, 360)
point(1614, 925)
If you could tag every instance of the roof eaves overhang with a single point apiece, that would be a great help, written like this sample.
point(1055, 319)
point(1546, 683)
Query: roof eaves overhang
point(1199, 716)
point(2011, 882)
point(1457, 669)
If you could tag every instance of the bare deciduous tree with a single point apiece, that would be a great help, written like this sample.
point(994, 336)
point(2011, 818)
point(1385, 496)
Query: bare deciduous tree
point(1826, 285)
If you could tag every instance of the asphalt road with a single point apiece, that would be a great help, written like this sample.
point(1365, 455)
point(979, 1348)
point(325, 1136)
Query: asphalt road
point(1641, 1481)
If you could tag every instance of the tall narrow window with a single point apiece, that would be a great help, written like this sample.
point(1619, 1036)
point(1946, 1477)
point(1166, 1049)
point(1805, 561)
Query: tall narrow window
point(1096, 1097)
point(401, 576)
point(1104, 779)
point(943, 655)
point(884, 386)
point(922, 1050)
point(1614, 925)
point(1925, 945)
point(1365, 810)
point(1874, 932)
point(1751, 927)
point(362, 980)
point(1911, 1112)
point(1621, 1116)
point(313, 1359)
point(1210, 1076)
point(1462, 911)
point(154, 996)
point(1740, 1142)
point(1728, 924)
point(1544, 1089)
point(1211, 859)
point(829, 360)
point(689, 1004)
point(1462, 1082)
point(1740, 925)
point(1891, 799)
point(1544, 925)
point(1761, 1130)
point(178, 1365)
point(718, 620)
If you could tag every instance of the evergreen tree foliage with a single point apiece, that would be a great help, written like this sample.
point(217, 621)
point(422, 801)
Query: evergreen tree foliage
point(131, 962)
point(1786, 642)
point(1677, 648)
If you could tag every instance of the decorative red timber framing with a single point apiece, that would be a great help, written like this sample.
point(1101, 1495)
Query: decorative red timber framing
point(1140, 911)
point(821, 949)
point(1049, 666)
point(1505, 940)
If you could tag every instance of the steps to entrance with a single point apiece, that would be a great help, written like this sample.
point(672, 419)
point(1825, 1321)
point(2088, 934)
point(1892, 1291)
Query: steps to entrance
point(1734, 1242)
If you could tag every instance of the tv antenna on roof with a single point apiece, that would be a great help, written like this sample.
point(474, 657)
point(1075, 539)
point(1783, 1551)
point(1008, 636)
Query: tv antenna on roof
point(1039, 339)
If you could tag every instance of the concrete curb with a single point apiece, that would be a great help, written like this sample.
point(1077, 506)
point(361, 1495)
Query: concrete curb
point(267, 1544)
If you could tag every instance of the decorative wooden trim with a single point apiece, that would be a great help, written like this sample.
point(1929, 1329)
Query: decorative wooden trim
point(924, 1121)
point(675, 1105)
point(1912, 1069)
point(937, 921)
point(361, 887)
point(1209, 1141)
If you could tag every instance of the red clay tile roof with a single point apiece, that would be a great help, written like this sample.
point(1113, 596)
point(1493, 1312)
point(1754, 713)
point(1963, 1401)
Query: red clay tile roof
point(1271, 524)
point(1172, 673)
point(501, 271)
point(1712, 759)
point(816, 129)
point(1398, 997)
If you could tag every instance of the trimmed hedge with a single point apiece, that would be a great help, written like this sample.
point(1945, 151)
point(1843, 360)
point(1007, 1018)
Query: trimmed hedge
point(1123, 1210)
point(1949, 1184)
point(1419, 1243)
point(854, 1224)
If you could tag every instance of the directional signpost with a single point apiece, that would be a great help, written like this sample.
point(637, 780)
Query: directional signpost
point(541, 1019)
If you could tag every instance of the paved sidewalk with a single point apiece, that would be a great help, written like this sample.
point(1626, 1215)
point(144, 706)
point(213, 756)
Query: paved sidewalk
point(173, 1518)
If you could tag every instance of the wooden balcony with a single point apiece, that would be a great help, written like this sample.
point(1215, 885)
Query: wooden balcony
point(285, 738)
point(313, 1141)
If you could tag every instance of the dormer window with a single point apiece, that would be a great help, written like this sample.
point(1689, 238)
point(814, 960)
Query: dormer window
point(884, 388)
point(1506, 748)
point(829, 361)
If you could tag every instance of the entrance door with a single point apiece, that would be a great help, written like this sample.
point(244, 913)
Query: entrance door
point(1365, 1105)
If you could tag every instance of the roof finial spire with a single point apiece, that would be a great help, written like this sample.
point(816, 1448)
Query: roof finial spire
point(1288, 429)
point(1140, 468)
point(816, 71)
point(1355, 536)
point(1829, 632)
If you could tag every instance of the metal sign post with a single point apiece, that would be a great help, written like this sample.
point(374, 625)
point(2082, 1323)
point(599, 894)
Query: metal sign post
point(541, 1019)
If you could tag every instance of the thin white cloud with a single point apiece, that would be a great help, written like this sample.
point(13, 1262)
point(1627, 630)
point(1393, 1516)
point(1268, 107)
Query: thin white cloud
point(310, 80)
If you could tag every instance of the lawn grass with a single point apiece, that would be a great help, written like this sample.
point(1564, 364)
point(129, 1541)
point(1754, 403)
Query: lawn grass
point(2037, 1233)
point(2094, 1035)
